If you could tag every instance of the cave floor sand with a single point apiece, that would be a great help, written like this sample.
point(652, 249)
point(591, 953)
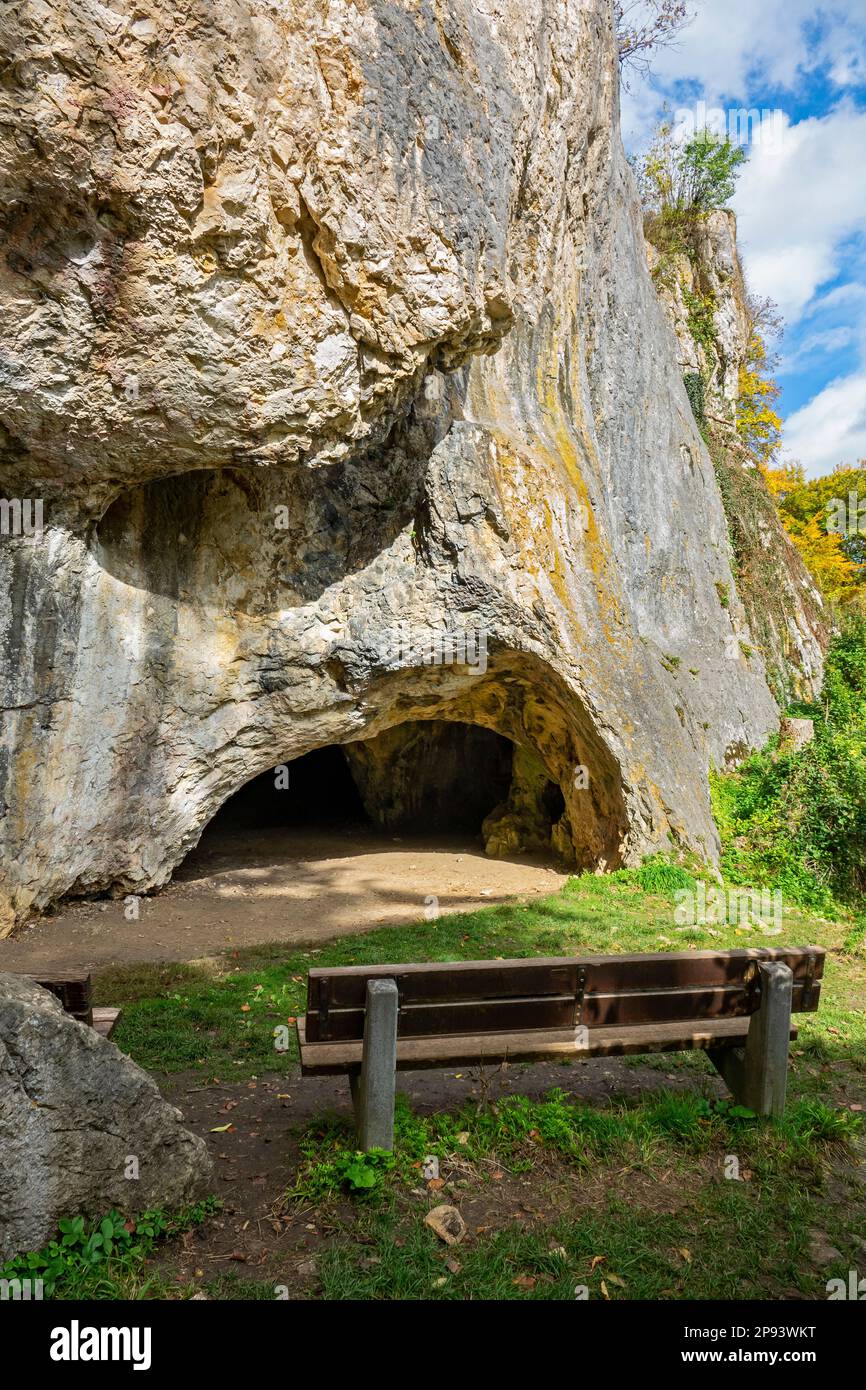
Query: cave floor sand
point(242, 888)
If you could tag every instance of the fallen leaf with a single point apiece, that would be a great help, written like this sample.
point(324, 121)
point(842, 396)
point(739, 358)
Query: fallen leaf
point(245, 1008)
point(525, 1281)
point(615, 1279)
point(596, 1260)
point(604, 1292)
point(222, 1129)
point(686, 1254)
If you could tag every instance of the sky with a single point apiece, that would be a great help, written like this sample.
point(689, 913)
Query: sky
point(801, 197)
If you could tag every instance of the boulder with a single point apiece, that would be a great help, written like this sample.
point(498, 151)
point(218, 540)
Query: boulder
point(82, 1128)
point(794, 734)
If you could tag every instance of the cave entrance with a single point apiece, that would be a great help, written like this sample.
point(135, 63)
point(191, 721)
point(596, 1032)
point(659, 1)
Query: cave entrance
point(314, 791)
point(432, 780)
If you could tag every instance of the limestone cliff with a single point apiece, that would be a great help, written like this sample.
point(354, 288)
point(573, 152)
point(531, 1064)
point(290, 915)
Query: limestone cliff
point(323, 323)
point(704, 294)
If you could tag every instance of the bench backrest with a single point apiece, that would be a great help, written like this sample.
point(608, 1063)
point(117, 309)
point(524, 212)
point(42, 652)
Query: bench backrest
point(499, 996)
point(73, 988)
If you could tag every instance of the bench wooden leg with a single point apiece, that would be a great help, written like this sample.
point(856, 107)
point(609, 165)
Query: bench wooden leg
point(373, 1089)
point(757, 1074)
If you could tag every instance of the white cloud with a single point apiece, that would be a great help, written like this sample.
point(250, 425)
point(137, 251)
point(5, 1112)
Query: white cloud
point(798, 199)
point(831, 428)
point(814, 345)
point(735, 46)
point(801, 197)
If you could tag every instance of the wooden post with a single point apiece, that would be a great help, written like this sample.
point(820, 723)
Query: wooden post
point(757, 1075)
point(373, 1090)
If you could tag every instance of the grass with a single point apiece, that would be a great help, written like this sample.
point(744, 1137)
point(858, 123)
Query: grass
point(668, 1130)
point(728, 1246)
point(221, 1019)
point(627, 1200)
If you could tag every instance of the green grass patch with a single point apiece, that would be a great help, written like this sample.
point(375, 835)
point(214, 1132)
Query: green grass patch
point(230, 1019)
point(669, 1129)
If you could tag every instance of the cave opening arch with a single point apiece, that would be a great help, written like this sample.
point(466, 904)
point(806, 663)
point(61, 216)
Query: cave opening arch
point(511, 762)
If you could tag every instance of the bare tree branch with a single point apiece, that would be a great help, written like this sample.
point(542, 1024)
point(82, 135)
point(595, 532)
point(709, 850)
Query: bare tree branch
point(644, 26)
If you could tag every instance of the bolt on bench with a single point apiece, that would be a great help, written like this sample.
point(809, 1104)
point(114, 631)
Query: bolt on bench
point(372, 1021)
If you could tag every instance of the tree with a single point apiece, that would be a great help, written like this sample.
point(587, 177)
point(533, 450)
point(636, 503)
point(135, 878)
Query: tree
point(826, 519)
point(642, 26)
point(687, 179)
point(758, 423)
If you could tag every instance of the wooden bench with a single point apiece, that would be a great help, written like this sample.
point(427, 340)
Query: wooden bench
point(74, 989)
point(371, 1021)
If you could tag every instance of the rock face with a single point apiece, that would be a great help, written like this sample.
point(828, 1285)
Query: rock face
point(412, 777)
point(706, 289)
point(74, 1112)
point(705, 298)
point(329, 337)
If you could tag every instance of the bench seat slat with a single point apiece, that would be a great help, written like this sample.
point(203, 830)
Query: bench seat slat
point(334, 1058)
point(106, 1019)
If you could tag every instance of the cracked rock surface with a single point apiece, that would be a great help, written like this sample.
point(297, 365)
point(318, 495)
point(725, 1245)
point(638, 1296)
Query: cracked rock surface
point(326, 329)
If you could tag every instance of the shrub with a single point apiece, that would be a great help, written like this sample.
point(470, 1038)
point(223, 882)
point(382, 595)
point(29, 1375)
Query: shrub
point(797, 821)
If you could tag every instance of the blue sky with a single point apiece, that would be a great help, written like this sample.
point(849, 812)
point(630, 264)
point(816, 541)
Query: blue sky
point(801, 198)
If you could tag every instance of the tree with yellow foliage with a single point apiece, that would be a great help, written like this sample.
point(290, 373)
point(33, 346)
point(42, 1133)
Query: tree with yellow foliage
point(826, 519)
point(758, 424)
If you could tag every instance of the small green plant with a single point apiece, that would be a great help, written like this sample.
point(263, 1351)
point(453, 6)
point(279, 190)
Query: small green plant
point(671, 663)
point(700, 317)
point(696, 392)
point(724, 593)
point(332, 1168)
point(100, 1258)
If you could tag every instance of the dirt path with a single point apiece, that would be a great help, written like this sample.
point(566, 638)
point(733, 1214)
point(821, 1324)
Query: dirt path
point(240, 889)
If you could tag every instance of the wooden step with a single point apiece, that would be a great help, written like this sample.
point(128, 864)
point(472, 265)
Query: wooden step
point(333, 1058)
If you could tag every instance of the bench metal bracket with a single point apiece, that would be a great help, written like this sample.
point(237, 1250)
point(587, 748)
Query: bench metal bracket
point(578, 999)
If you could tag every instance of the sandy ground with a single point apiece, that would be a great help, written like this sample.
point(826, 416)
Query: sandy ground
point(243, 888)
